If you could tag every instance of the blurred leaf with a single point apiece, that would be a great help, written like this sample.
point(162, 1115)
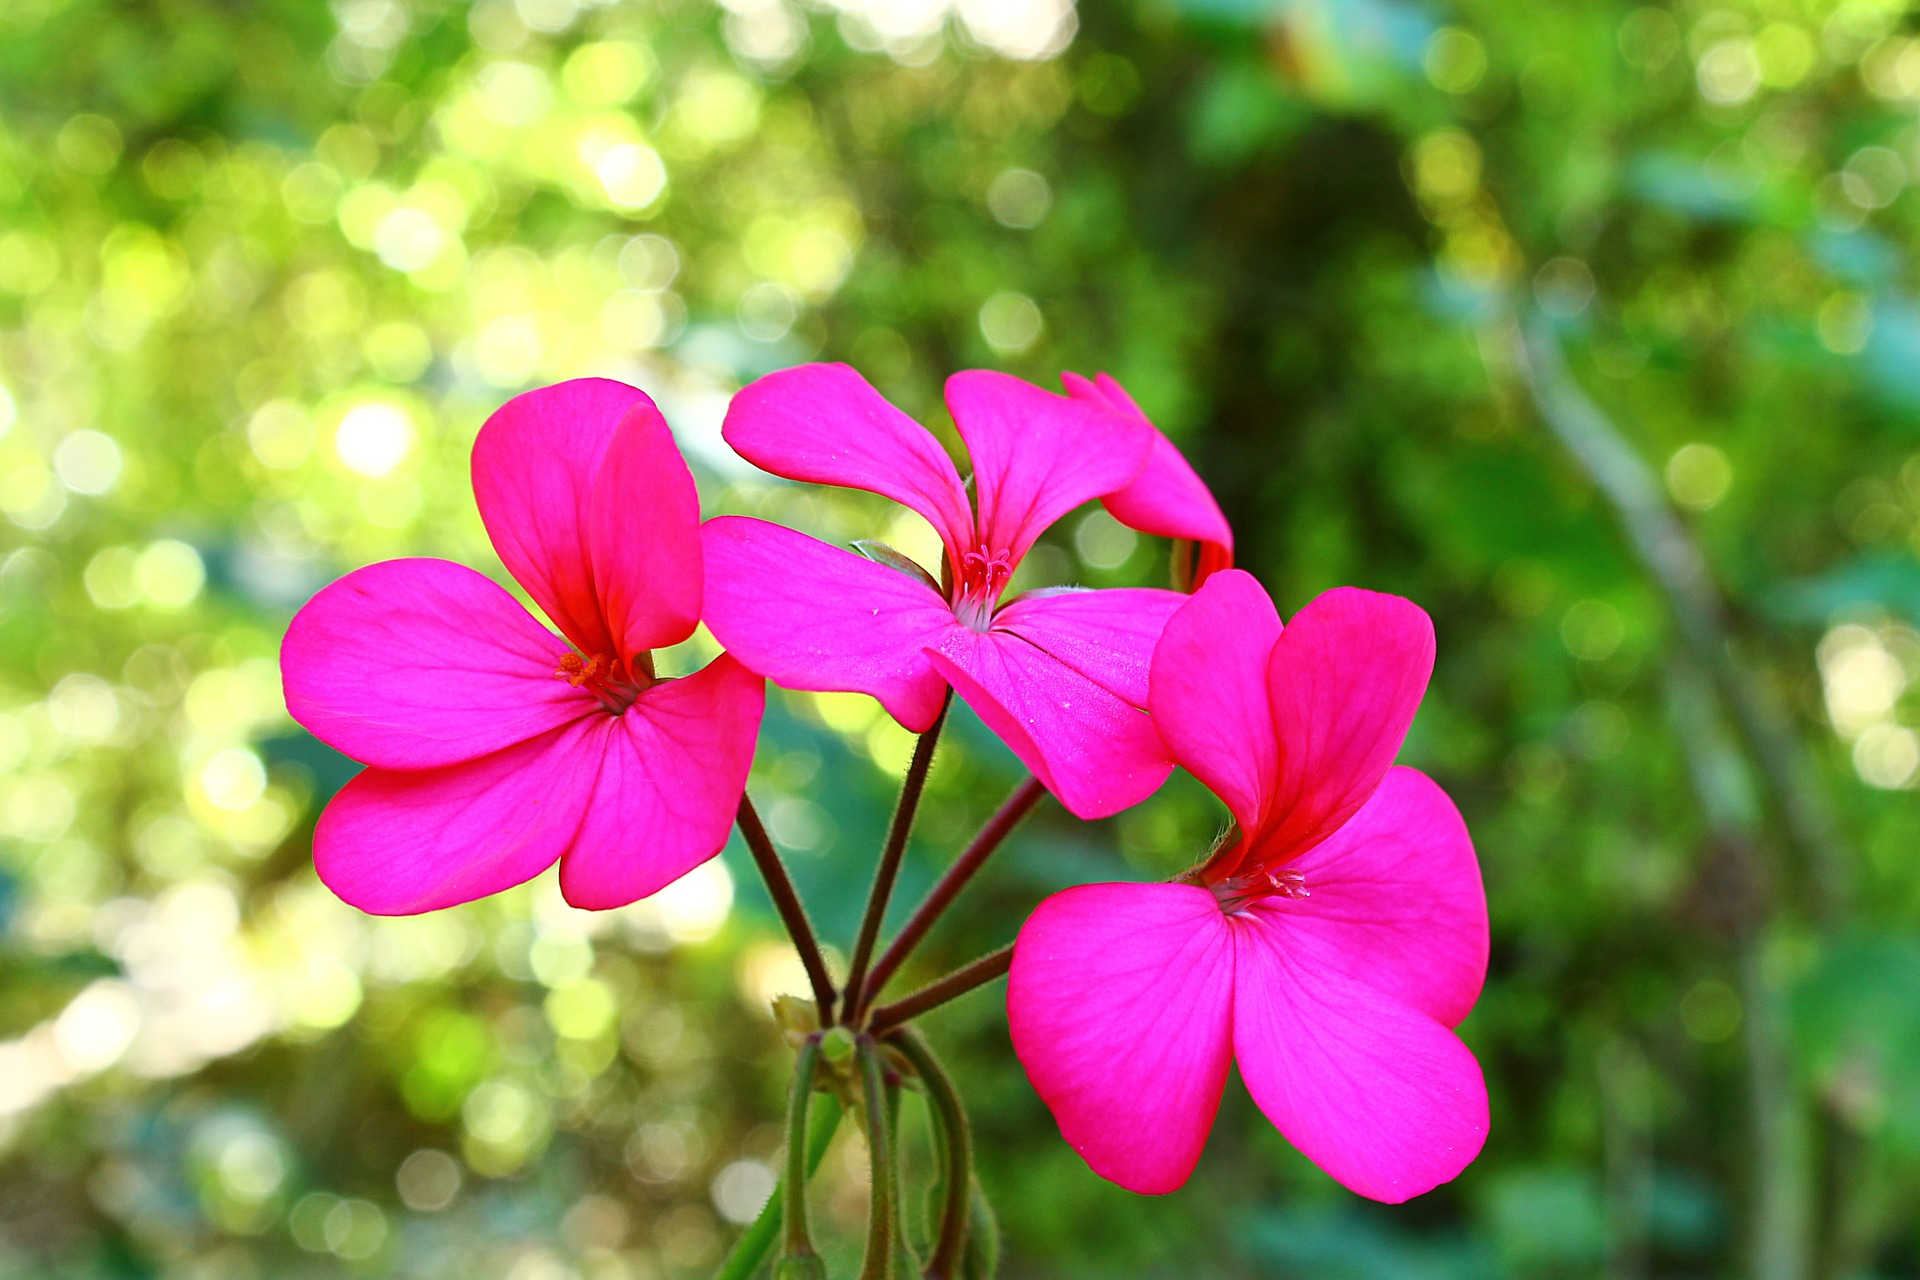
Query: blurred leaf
point(1347, 1244)
point(1877, 581)
point(1548, 1219)
point(1853, 1018)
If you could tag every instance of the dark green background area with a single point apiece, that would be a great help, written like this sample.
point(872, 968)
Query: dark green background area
point(264, 269)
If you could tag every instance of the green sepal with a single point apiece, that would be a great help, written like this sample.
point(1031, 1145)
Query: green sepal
point(980, 1260)
point(881, 553)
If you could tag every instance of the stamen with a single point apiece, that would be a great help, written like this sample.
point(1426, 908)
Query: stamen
point(1289, 883)
point(601, 676)
point(984, 573)
point(1239, 892)
point(577, 671)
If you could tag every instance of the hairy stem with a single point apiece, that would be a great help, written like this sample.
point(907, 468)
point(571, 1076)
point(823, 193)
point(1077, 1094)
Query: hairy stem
point(786, 900)
point(891, 854)
point(956, 1147)
point(878, 1262)
point(1004, 820)
point(751, 1251)
point(937, 993)
point(799, 1241)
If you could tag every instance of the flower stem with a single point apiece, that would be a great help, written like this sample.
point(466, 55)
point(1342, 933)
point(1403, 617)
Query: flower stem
point(878, 1262)
point(956, 1146)
point(942, 895)
point(786, 900)
point(891, 854)
point(744, 1262)
point(934, 994)
point(793, 1208)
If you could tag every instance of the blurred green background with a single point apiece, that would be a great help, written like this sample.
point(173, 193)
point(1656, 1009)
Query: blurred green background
point(265, 267)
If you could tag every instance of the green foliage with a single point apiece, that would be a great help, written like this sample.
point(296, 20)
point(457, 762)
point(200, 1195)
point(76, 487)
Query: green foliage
point(265, 267)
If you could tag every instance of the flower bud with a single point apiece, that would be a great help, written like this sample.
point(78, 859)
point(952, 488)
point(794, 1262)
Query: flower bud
point(800, 1266)
point(836, 1046)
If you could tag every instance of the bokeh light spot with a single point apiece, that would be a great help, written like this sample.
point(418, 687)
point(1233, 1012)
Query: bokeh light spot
point(374, 437)
point(1698, 475)
point(1010, 322)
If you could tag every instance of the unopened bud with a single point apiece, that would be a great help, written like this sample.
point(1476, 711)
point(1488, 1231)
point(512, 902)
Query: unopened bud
point(836, 1046)
point(800, 1266)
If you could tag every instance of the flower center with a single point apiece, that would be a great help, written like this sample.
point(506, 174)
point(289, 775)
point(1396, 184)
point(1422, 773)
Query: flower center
point(604, 677)
point(1237, 893)
point(983, 576)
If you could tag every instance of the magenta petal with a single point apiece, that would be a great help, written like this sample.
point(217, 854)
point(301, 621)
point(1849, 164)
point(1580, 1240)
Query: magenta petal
point(1167, 498)
point(1394, 900)
point(534, 464)
point(396, 843)
point(1107, 635)
point(410, 664)
point(1209, 692)
point(643, 533)
point(1119, 1002)
point(1387, 1101)
point(809, 616)
point(674, 767)
point(825, 424)
point(1037, 455)
point(1344, 681)
point(1094, 751)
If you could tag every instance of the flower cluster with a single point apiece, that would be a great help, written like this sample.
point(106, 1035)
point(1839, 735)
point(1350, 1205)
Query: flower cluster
point(1328, 944)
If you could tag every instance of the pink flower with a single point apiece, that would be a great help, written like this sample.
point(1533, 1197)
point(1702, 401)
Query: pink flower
point(495, 747)
point(1059, 675)
point(1327, 948)
point(1167, 498)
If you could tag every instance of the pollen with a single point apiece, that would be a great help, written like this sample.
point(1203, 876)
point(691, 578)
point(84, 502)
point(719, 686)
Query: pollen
point(578, 671)
point(602, 676)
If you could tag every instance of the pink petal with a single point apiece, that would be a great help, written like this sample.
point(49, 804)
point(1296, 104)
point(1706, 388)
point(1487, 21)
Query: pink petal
point(395, 843)
point(643, 532)
point(674, 767)
point(1118, 1001)
point(1209, 692)
point(825, 424)
point(809, 616)
point(534, 464)
point(1036, 455)
point(1095, 752)
point(410, 664)
point(1344, 682)
point(1394, 901)
point(1167, 498)
point(1387, 1101)
point(1107, 636)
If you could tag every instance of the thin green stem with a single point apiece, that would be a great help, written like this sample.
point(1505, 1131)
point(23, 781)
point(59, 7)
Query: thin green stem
point(786, 900)
point(891, 854)
point(936, 993)
point(878, 1262)
point(956, 1148)
point(799, 1241)
point(751, 1252)
point(997, 828)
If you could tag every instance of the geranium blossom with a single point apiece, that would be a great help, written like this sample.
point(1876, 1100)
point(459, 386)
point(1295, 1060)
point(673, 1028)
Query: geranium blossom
point(1328, 947)
point(496, 747)
point(1059, 675)
point(1167, 498)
